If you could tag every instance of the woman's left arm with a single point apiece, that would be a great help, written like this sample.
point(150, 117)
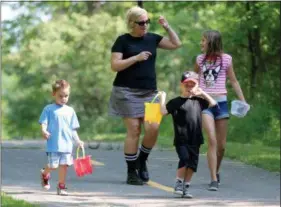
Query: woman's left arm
point(171, 43)
point(234, 83)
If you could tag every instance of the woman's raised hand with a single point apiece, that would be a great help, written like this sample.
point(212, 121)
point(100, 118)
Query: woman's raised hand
point(162, 21)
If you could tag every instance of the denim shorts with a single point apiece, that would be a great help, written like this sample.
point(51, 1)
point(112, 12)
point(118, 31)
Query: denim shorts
point(59, 158)
point(219, 111)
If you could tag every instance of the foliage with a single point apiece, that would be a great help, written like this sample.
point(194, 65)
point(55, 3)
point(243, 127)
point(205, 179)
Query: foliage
point(74, 44)
point(7, 201)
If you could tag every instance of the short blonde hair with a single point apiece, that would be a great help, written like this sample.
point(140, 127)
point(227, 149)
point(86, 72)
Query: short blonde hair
point(60, 84)
point(132, 15)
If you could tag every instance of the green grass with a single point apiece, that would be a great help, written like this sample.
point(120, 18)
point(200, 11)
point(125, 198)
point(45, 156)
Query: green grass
point(254, 154)
point(257, 155)
point(7, 201)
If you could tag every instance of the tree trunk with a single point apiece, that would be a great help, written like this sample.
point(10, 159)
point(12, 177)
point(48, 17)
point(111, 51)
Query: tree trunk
point(92, 6)
point(254, 49)
point(140, 4)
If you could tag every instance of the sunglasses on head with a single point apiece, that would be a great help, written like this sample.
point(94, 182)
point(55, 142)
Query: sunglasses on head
point(142, 23)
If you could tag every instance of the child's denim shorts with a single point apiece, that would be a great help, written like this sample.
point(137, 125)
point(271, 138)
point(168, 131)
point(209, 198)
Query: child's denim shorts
point(219, 111)
point(59, 158)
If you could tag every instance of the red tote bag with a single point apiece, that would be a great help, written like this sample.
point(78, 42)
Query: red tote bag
point(82, 165)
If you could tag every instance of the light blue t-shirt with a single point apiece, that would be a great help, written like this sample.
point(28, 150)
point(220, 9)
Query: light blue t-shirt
point(60, 121)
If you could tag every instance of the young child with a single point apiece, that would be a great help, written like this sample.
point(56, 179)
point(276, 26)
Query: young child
point(58, 125)
point(186, 111)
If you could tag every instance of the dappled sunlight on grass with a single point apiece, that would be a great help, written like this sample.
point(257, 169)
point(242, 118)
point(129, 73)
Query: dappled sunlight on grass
point(255, 154)
point(7, 201)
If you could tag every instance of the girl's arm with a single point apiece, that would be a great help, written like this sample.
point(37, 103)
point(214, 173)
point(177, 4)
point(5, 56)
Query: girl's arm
point(162, 103)
point(235, 84)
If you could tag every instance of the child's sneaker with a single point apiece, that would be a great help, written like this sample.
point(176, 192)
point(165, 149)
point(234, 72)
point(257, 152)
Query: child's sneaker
point(218, 178)
point(186, 193)
point(213, 186)
point(45, 180)
point(61, 190)
point(178, 188)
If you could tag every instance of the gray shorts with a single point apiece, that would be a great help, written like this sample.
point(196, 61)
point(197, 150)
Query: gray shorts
point(129, 102)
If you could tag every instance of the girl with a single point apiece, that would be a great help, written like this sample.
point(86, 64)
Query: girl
point(214, 66)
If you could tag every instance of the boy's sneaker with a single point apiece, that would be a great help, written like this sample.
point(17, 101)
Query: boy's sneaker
point(178, 190)
point(218, 178)
point(61, 190)
point(186, 193)
point(45, 180)
point(134, 179)
point(213, 186)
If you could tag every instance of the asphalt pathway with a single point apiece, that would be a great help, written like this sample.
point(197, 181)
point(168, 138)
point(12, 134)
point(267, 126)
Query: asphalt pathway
point(242, 185)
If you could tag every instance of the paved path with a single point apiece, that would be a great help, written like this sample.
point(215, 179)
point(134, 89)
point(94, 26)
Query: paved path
point(242, 185)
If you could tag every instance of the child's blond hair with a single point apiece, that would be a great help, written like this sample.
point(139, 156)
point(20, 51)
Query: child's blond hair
point(60, 84)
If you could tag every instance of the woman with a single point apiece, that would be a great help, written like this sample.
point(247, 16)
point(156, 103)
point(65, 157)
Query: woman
point(133, 58)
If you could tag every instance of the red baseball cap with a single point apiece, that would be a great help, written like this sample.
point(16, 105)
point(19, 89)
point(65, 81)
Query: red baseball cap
point(189, 76)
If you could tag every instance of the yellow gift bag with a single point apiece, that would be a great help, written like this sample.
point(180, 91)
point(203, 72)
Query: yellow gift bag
point(152, 111)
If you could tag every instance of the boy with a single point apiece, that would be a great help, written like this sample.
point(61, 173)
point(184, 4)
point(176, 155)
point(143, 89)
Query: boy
point(58, 125)
point(186, 112)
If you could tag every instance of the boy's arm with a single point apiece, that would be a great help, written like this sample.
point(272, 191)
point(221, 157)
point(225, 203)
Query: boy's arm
point(162, 103)
point(200, 93)
point(76, 138)
point(44, 127)
point(43, 121)
point(44, 131)
point(212, 102)
point(75, 125)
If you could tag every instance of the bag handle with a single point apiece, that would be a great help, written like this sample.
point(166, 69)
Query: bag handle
point(155, 97)
point(77, 152)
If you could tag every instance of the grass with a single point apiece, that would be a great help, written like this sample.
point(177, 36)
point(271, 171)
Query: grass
point(257, 155)
point(254, 154)
point(7, 201)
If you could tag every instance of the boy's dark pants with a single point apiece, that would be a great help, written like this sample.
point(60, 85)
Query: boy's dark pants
point(188, 155)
